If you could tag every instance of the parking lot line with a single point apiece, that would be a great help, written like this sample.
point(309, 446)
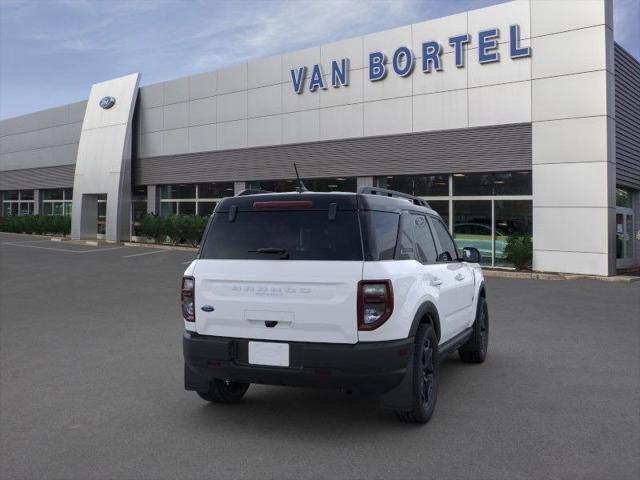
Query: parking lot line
point(145, 253)
point(14, 244)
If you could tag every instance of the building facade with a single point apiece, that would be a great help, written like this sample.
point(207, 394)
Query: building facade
point(522, 118)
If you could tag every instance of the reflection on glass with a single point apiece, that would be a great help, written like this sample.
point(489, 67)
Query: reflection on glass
point(492, 183)
point(513, 218)
point(215, 190)
point(472, 226)
point(183, 190)
point(419, 185)
point(187, 208)
point(623, 198)
point(206, 208)
point(168, 208)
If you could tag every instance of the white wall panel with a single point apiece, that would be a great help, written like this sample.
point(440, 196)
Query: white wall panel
point(570, 140)
point(176, 91)
point(440, 111)
point(232, 106)
point(301, 127)
point(263, 72)
point(176, 115)
point(575, 51)
point(265, 101)
point(203, 85)
point(387, 117)
point(500, 104)
point(300, 58)
point(175, 141)
point(565, 184)
point(265, 131)
point(293, 102)
point(571, 262)
point(341, 122)
point(571, 96)
point(571, 229)
point(203, 111)
point(232, 79)
point(152, 95)
point(150, 145)
point(232, 134)
point(553, 16)
point(203, 138)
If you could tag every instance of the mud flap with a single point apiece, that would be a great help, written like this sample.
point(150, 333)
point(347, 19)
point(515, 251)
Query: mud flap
point(194, 381)
point(401, 397)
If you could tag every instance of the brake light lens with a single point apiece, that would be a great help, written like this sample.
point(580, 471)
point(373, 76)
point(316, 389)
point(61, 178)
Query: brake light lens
point(187, 298)
point(375, 303)
point(283, 204)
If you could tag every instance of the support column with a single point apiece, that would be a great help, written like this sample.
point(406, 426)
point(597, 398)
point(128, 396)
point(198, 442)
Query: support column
point(238, 187)
point(364, 182)
point(573, 137)
point(153, 199)
point(36, 202)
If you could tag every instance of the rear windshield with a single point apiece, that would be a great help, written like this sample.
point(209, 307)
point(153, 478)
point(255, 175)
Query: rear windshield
point(286, 235)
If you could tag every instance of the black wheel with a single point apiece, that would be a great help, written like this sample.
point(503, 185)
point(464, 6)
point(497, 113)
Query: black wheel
point(426, 370)
point(475, 349)
point(224, 391)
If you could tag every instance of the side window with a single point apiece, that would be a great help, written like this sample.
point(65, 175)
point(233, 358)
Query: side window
point(406, 241)
point(447, 251)
point(425, 246)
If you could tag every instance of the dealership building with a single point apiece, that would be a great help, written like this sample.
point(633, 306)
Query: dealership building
point(522, 118)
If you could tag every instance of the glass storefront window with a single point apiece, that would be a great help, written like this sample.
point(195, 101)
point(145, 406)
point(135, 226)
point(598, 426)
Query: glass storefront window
point(492, 183)
point(623, 198)
point(442, 207)
point(53, 194)
point(11, 195)
point(512, 218)
point(206, 208)
point(215, 190)
point(273, 185)
point(186, 208)
point(56, 201)
point(337, 184)
point(26, 194)
point(472, 226)
point(168, 208)
point(419, 185)
point(182, 190)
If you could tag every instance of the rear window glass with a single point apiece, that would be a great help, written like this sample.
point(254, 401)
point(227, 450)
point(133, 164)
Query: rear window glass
point(293, 235)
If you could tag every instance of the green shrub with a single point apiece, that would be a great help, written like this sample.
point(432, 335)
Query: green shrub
point(38, 224)
point(174, 229)
point(519, 251)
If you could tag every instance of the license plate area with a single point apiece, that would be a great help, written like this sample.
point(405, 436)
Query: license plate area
point(269, 353)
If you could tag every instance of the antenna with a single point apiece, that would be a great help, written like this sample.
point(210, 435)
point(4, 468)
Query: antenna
point(301, 188)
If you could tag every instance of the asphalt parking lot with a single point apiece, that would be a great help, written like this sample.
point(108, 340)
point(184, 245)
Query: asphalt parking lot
point(91, 386)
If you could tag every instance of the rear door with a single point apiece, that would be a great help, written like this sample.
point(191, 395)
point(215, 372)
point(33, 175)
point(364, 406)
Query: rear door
point(283, 274)
point(457, 278)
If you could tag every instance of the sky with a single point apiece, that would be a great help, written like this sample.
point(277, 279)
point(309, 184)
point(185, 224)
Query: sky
point(52, 51)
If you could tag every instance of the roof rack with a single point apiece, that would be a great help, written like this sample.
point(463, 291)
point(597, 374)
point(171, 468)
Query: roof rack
point(392, 193)
point(251, 191)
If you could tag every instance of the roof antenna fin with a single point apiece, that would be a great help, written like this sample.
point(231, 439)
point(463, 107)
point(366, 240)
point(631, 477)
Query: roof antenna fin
point(301, 188)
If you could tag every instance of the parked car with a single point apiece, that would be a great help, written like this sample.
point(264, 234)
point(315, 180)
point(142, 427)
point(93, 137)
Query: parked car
point(355, 291)
point(478, 235)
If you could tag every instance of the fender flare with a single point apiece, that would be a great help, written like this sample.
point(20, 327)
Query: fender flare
point(427, 308)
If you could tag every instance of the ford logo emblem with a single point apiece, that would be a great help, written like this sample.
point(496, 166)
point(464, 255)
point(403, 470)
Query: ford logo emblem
point(107, 102)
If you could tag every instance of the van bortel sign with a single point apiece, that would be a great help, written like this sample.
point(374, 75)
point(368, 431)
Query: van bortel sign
point(403, 60)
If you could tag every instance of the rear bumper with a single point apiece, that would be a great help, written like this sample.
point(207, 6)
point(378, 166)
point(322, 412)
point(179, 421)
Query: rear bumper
point(374, 367)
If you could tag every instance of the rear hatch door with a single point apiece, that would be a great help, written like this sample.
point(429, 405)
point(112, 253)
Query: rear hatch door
point(281, 271)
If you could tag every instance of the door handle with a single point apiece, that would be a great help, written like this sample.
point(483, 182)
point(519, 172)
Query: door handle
point(459, 277)
point(435, 282)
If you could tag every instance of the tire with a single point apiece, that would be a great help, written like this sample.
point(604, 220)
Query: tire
point(475, 349)
point(223, 391)
point(426, 371)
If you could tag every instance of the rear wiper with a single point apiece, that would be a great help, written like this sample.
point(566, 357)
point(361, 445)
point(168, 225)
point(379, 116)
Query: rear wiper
point(283, 252)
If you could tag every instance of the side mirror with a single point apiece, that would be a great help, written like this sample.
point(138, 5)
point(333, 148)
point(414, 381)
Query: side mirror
point(471, 255)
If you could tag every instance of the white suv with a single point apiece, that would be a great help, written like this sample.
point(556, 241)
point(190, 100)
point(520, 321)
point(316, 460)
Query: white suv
point(359, 291)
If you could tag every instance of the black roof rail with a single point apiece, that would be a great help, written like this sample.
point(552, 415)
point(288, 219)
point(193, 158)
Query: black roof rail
point(392, 193)
point(251, 191)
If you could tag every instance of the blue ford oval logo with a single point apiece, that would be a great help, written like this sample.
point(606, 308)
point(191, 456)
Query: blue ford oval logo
point(107, 102)
point(207, 308)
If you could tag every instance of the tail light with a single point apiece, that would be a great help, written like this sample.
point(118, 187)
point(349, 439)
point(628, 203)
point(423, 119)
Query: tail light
point(187, 298)
point(375, 303)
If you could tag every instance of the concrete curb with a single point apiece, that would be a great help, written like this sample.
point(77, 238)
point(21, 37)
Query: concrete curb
point(161, 247)
point(557, 276)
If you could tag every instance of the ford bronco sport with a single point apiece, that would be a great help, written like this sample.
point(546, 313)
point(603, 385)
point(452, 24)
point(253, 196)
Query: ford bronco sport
point(361, 292)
